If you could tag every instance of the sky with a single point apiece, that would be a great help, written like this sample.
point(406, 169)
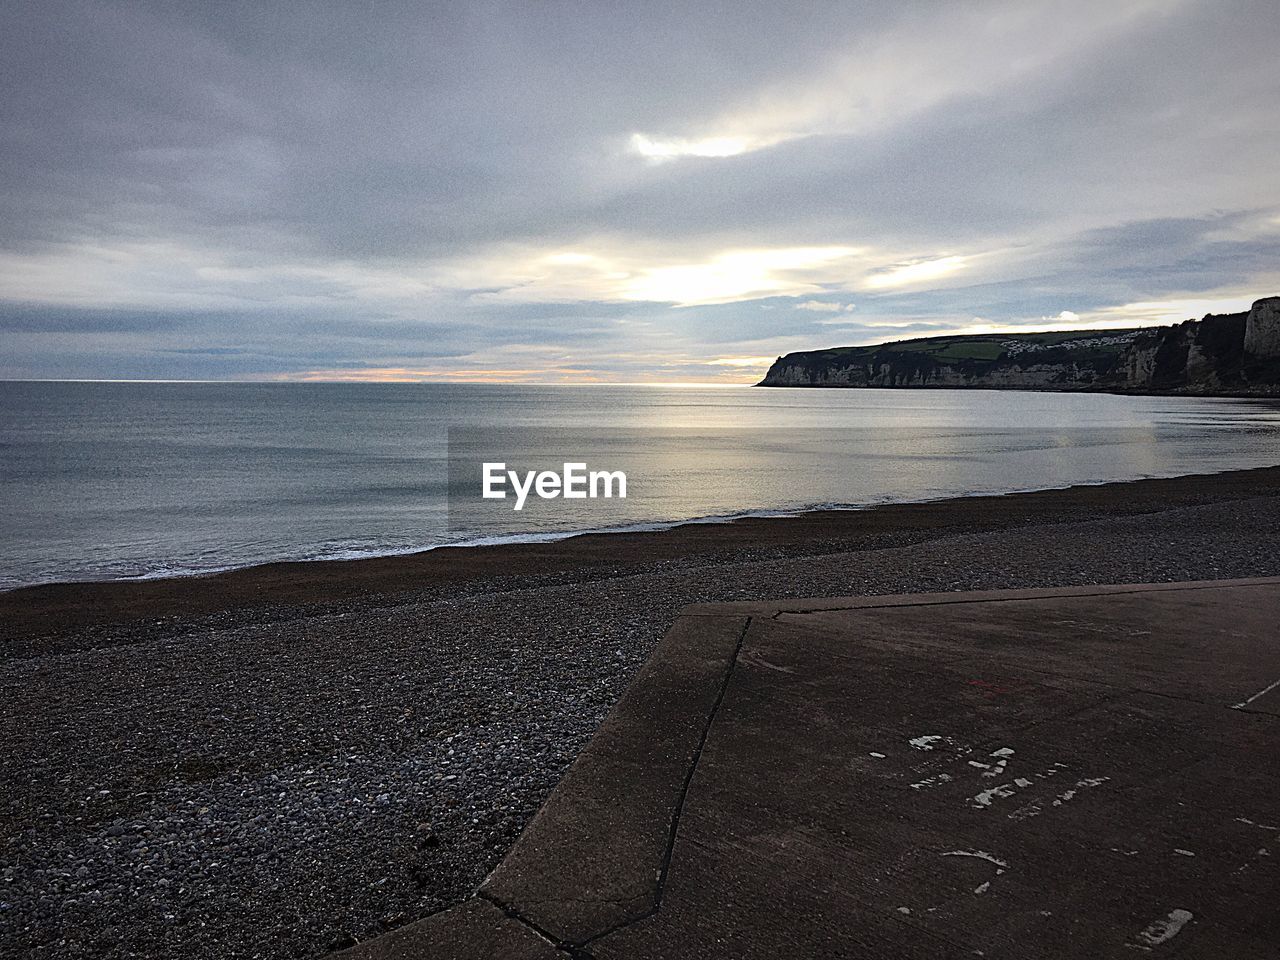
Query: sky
point(616, 192)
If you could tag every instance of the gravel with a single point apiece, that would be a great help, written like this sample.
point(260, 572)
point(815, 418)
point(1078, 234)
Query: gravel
point(284, 788)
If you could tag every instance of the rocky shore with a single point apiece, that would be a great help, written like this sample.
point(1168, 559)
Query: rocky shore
point(281, 761)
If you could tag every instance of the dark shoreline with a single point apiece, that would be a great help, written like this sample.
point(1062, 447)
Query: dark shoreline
point(1266, 393)
point(44, 609)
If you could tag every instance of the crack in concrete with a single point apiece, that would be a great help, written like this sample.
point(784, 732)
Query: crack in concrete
point(569, 949)
point(673, 835)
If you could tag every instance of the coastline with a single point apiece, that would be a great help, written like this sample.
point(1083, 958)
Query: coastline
point(40, 609)
point(289, 759)
point(1262, 394)
point(503, 540)
point(1217, 355)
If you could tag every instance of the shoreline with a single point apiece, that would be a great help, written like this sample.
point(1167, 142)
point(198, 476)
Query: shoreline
point(288, 760)
point(40, 609)
point(502, 540)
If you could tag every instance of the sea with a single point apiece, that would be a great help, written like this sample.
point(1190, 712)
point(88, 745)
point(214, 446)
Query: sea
point(111, 480)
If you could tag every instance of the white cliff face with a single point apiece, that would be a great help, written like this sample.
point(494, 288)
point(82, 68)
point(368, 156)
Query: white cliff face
point(1140, 367)
point(1200, 366)
point(1231, 354)
point(1262, 329)
point(1032, 376)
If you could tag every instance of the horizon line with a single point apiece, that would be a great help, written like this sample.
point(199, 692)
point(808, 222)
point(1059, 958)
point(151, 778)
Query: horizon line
point(524, 383)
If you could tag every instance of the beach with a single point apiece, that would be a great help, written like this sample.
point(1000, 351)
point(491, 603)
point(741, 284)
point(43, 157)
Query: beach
point(484, 481)
point(283, 760)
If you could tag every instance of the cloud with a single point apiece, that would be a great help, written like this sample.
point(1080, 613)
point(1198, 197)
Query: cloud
point(740, 275)
point(741, 361)
point(653, 275)
point(825, 306)
point(612, 192)
point(887, 78)
point(611, 273)
point(1163, 312)
point(918, 272)
point(659, 150)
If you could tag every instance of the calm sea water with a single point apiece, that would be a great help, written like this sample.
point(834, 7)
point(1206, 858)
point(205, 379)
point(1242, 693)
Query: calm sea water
point(109, 480)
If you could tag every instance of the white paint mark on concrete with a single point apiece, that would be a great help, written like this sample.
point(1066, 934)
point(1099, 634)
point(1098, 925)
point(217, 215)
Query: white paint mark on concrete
point(1262, 852)
point(1163, 930)
point(1252, 823)
point(1261, 693)
point(931, 781)
point(1001, 757)
point(986, 797)
point(999, 864)
point(926, 742)
point(1080, 785)
point(979, 854)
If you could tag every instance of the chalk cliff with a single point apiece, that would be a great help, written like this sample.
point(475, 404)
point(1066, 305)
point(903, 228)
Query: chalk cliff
point(1262, 329)
point(1225, 354)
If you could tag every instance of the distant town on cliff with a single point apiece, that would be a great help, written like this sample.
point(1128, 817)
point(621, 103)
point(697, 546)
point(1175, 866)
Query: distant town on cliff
point(1235, 354)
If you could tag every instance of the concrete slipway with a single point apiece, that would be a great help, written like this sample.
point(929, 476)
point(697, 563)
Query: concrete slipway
point(1085, 772)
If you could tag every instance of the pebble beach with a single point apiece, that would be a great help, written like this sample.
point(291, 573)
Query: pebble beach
point(283, 761)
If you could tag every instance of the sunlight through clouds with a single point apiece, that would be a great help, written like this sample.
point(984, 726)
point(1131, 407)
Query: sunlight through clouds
point(450, 192)
point(739, 275)
point(903, 73)
point(910, 274)
point(1156, 313)
point(644, 276)
point(825, 306)
point(658, 150)
point(741, 362)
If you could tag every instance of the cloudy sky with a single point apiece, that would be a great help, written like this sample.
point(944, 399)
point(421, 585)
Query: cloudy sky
point(616, 191)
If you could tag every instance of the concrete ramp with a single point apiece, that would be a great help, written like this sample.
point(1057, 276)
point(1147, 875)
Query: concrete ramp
point(1087, 772)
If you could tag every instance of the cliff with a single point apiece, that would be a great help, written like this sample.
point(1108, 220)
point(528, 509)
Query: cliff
point(1234, 354)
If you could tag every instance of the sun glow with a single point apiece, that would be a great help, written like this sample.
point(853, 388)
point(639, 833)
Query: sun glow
point(610, 272)
point(920, 271)
point(660, 149)
point(737, 275)
point(741, 362)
